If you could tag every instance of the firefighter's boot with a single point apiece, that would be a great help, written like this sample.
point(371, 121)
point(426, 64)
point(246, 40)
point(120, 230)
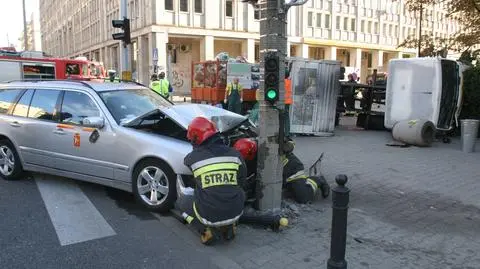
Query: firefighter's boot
point(229, 232)
point(210, 236)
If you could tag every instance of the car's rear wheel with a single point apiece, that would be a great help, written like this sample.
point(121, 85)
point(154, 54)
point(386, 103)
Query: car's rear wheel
point(153, 185)
point(10, 166)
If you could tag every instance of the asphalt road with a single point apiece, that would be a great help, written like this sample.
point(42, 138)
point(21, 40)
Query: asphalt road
point(48, 222)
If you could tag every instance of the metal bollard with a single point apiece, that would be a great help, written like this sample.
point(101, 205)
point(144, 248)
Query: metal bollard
point(340, 200)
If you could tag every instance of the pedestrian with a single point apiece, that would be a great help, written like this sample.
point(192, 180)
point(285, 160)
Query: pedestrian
point(288, 101)
point(219, 173)
point(233, 96)
point(161, 85)
point(303, 188)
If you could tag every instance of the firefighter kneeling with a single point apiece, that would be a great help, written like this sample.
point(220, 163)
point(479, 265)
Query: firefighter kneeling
point(219, 171)
point(303, 188)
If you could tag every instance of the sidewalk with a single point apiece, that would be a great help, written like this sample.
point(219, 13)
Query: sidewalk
point(410, 208)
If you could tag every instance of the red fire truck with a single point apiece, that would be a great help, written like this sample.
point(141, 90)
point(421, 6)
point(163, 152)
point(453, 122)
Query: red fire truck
point(35, 65)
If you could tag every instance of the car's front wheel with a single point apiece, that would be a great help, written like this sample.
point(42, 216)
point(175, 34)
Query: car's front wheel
point(10, 166)
point(153, 185)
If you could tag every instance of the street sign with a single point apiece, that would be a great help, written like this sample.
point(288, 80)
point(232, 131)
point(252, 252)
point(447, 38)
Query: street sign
point(126, 75)
point(155, 55)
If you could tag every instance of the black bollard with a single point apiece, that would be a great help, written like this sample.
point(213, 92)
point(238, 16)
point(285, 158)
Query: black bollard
point(340, 200)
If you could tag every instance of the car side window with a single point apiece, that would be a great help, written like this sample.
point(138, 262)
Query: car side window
point(43, 104)
point(76, 106)
point(7, 97)
point(21, 108)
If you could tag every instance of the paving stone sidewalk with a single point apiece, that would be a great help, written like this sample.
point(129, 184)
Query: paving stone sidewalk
point(410, 208)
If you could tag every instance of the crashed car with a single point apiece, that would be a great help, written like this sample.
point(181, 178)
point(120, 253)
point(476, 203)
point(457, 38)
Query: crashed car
point(122, 135)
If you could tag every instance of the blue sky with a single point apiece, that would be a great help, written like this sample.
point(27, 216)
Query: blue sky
point(11, 19)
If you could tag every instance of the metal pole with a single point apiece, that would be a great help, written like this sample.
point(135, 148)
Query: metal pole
point(123, 11)
point(340, 200)
point(420, 31)
point(25, 39)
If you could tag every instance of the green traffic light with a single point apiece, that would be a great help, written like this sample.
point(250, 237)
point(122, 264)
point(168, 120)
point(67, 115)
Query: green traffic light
point(271, 94)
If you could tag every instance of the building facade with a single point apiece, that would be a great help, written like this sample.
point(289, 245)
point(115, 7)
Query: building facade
point(362, 34)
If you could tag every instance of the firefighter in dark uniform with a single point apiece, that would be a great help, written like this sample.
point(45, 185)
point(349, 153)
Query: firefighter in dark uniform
point(302, 187)
point(219, 172)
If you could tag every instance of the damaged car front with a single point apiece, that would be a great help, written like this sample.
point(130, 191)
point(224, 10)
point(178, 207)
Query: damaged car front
point(153, 132)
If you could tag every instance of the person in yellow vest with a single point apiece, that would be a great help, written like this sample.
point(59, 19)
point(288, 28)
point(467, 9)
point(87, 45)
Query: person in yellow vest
point(288, 101)
point(233, 96)
point(160, 85)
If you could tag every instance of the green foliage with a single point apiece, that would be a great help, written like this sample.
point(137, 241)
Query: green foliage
point(471, 93)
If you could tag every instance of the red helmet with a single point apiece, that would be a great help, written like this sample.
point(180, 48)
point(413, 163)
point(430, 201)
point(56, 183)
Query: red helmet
point(200, 129)
point(247, 148)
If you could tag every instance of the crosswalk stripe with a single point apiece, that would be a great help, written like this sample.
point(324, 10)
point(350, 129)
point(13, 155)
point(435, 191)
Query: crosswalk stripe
point(73, 215)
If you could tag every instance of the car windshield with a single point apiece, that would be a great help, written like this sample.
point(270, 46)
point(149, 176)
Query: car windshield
point(126, 105)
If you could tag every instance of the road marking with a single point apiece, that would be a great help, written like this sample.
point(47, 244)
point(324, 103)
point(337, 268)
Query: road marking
point(73, 215)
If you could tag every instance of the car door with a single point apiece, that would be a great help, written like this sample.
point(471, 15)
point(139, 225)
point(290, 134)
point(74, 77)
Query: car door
point(14, 123)
point(83, 154)
point(43, 119)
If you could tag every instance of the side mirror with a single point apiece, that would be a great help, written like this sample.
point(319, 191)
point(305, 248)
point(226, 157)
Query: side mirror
point(94, 122)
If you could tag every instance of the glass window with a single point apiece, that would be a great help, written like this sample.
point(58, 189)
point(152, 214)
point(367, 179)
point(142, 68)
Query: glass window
point(352, 25)
point(168, 4)
point(125, 105)
point(310, 19)
point(43, 104)
point(198, 6)
point(72, 69)
point(376, 28)
point(327, 21)
point(38, 71)
point(184, 5)
point(256, 15)
point(345, 24)
point(337, 26)
point(370, 27)
point(229, 8)
point(319, 20)
point(76, 106)
point(7, 97)
point(21, 108)
point(362, 26)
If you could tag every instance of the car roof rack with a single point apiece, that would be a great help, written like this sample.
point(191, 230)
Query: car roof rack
point(55, 80)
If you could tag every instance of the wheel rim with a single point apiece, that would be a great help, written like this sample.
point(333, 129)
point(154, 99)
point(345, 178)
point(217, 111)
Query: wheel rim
point(152, 185)
point(7, 161)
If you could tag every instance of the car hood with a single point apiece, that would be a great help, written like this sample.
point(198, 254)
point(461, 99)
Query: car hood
point(184, 114)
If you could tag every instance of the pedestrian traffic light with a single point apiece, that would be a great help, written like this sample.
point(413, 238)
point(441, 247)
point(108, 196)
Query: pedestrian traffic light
point(272, 77)
point(125, 26)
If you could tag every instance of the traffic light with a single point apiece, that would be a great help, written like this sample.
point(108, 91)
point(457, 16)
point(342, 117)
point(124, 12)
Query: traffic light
point(272, 77)
point(125, 26)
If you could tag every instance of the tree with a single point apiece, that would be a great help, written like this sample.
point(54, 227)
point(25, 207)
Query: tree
point(466, 12)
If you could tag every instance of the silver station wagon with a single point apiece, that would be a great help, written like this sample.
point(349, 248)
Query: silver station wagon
point(121, 135)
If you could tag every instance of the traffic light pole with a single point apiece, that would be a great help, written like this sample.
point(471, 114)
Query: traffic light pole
point(273, 45)
point(125, 68)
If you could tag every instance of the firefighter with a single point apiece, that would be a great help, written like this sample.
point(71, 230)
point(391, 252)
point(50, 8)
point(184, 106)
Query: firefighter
point(288, 101)
point(233, 96)
point(302, 187)
point(219, 173)
point(161, 85)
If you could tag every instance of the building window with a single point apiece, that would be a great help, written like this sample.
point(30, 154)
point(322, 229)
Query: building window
point(327, 21)
point(390, 30)
point(320, 4)
point(384, 32)
point(370, 30)
point(337, 23)
point(169, 5)
point(198, 6)
point(362, 26)
point(319, 20)
point(256, 14)
point(184, 5)
point(352, 25)
point(310, 19)
point(376, 28)
point(229, 8)
point(345, 24)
